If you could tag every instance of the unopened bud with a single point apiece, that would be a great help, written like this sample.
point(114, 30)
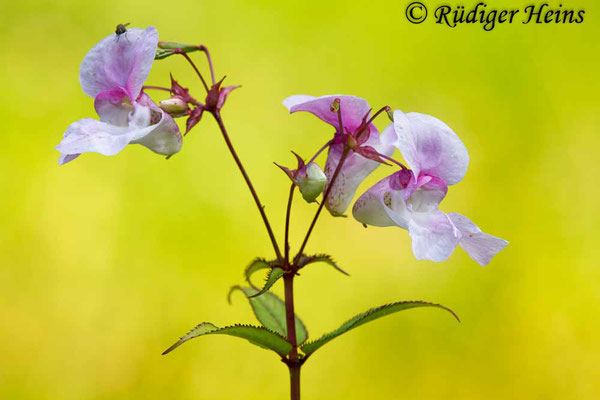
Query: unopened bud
point(335, 106)
point(175, 106)
point(312, 183)
point(389, 112)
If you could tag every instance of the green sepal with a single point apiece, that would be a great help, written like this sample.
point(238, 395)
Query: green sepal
point(257, 335)
point(270, 312)
point(302, 260)
point(369, 316)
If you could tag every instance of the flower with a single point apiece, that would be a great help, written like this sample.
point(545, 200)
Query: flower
point(354, 112)
point(410, 198)
point(113, 73)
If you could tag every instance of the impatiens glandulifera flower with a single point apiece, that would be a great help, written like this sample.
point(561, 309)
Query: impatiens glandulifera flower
point(357, 132)
point(309, 178)
point(410, 198)
point(113, 73)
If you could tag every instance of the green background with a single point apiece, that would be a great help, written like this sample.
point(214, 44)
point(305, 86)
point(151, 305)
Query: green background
point(106, 261)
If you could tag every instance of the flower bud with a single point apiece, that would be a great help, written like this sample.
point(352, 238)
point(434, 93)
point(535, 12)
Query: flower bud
point(389, 112)
point(175, 106)
point(311, 182)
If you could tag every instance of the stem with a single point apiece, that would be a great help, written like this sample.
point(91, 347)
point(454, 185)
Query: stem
point(183, 53)
point(287, 224)
point(398, 163)
point(156, 88)
point(210, 64)
point(382, 109)
point(261, 209)
point(290, 320)
point(294, 381)
point(325, 196)
point(293, 362)
point(319, 152)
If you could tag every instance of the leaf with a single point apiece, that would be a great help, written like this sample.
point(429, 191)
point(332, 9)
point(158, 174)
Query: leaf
point(274, 275)
point(256, 265)
point(302, 260)
point(270, 311)
point(259, 336)
point(369, 316)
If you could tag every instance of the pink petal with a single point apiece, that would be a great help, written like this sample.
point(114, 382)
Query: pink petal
point(430, 147)
point(119, 64)
point(433, 235)
point(480, 246)
point(353, 108)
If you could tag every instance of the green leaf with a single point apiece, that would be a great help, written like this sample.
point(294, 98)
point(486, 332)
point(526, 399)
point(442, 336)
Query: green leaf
point(274, 275)
point(270, 311)
point(369, 316)
point(256, 265)
point(257, 335)
point(302, 260)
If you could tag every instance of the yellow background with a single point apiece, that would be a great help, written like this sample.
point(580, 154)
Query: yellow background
point(106, 261)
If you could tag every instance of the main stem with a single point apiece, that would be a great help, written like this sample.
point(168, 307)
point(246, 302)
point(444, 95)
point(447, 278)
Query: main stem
point(261, 209)
point(293, 362)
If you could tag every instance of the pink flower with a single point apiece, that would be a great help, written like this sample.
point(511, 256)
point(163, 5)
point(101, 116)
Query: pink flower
point(113, 73)
point(355, 111)
point(410, 198)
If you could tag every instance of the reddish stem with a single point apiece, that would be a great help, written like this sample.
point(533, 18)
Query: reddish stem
point(183, 53)
point(237, 160)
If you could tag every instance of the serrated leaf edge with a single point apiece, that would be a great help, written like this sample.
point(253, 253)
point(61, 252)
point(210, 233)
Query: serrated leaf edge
point(333, 334)
point(270, 281)
point(303, 260)
point(182, 339)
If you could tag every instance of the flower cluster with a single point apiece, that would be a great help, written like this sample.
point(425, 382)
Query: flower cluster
point(408, 198)
point(113, 73)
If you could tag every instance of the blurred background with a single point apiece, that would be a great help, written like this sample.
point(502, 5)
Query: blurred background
point(105, 262)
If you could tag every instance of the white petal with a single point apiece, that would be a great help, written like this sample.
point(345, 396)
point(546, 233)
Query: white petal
point(90, 135)
point(430, 147)
point(296, 99)
point(370, 208)
point(480, 246)
point(65, 158)
point(165, 137)
point(433, 235)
